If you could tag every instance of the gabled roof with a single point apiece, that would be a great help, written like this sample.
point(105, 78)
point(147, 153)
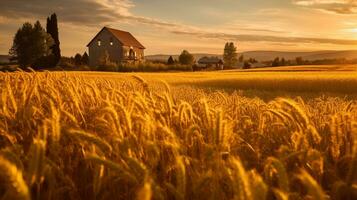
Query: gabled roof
point(126, 38)
point(209, 60)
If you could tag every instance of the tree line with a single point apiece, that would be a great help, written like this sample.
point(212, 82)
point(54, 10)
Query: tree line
point(230, 57)
point(300, 61)
point(35, 47)
point(185, 58)
point(39, 48)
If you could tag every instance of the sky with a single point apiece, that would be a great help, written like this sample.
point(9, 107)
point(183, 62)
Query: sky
point(199, 26)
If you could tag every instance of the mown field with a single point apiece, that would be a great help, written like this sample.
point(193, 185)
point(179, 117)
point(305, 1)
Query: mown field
point(205, 135)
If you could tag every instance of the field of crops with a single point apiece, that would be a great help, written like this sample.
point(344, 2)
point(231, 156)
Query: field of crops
point(265, 83)
point(177, 136)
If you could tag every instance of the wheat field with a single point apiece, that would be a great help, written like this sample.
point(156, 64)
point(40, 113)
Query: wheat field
point(273, 82)
point(133, 136)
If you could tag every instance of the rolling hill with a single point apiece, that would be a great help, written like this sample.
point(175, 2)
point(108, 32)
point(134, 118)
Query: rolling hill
point(270, 55)
point(163, 57)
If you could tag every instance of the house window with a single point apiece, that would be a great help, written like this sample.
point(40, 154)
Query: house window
point(99, 43)
point(111, 42)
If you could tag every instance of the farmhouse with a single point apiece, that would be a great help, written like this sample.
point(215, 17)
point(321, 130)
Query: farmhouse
point(207, 62)
point(121, 46)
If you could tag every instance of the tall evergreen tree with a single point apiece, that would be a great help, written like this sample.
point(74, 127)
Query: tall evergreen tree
point(230, 55)
point(52, 29)
point(170, 61)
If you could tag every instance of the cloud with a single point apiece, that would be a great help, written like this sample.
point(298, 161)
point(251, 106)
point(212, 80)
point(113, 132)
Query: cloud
point(95, 13)
point(79, 12)
point(242, 26)
point(268, 38)
point(2, 20)
point(331, 6)
point(91, 13)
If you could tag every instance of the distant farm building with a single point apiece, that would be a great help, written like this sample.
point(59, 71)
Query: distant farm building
point(121, 46)
point(210, 62)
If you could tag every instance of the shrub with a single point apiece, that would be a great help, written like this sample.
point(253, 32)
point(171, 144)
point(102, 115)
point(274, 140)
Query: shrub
point(247, 65)
point(105, 64)
point(44, 62)
point(152, 67)
point(109, 67)
point(78, 59)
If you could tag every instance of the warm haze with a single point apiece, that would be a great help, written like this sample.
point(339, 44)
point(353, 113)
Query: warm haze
point(201, 26)
point(178, 100)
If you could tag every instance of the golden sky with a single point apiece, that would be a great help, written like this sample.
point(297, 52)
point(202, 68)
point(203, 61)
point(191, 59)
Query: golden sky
point(200, 26)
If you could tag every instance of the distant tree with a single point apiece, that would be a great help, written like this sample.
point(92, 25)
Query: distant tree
point(247, 65)
point(85, 59)
point(288, 62)
point(299, 61)
point(241, 58)
point(282, 62)
point(170, 61)
point(252, 60)
point(52, 29)
point(230, 55)
point(276, 62)
point(31, 43)
point(71, 59)
point(78, 59)
point(186, 58)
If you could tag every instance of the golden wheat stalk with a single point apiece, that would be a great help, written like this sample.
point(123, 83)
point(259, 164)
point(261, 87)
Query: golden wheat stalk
point(122, 172)
point(91, 138)
point(274, 167)
point(11, 177)
point(314, 190)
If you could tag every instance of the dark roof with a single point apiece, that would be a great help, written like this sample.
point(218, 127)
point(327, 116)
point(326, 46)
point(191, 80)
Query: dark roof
point(126, 38)
point(210, 60)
